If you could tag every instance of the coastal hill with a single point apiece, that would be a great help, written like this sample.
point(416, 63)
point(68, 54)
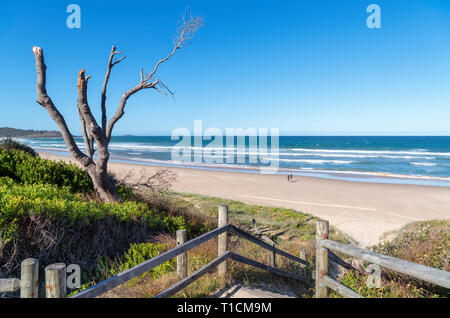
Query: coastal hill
point(28, 133)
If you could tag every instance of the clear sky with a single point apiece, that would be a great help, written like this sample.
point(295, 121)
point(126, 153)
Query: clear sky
point(306, 67)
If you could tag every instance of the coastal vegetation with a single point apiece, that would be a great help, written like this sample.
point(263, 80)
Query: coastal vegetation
point(426, 243)
point(49, 210)
point(11, 144)
point(21, 165)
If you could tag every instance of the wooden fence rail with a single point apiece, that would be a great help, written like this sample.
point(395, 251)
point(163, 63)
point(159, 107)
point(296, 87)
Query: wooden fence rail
point(324, 246)
point(55, 274)
point(221, 261)
point(269, 247)
point(193, 277)
point(131, 273)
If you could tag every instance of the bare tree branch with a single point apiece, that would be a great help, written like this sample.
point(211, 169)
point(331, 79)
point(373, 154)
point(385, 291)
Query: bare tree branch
point(88, 140)
point(121, 108)
point(185, 32)
point(111, 63)
point(93, 128)
point(158, 181)
point(45, 101)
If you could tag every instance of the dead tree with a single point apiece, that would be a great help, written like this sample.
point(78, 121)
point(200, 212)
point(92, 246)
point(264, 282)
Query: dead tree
point(97, 135)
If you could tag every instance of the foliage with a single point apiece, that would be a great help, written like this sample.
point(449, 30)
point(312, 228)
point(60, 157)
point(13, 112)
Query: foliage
point(138, 254)
point(425, 243)
point(16, 201)
point(125, 193)
point(28, 169)
point(10, 144)
point(52, 223)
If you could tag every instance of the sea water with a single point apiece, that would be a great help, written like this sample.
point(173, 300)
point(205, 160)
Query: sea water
point(417, 160)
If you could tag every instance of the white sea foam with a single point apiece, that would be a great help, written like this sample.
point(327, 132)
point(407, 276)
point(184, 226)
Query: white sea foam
point(416, 152)
point(334, 155)
point(423, 164)
point(344, 153)
point(310, 153)
point(311, 161)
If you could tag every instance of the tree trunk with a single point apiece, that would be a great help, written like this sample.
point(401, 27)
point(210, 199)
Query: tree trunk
point(104, 186)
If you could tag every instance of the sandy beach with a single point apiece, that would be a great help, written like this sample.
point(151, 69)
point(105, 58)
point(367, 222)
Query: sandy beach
point(365, 211)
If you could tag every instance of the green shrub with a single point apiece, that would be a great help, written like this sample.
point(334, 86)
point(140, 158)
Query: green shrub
point(18, 202)
point(29, 169)
point(10, 144)
point(425, 243)
point(125, 193)
point(138, 254)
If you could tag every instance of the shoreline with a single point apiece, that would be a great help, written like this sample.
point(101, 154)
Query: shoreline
point(365, 211)
point(352, 176)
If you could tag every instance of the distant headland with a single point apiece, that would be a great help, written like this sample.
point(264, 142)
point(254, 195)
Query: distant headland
point(27, 133)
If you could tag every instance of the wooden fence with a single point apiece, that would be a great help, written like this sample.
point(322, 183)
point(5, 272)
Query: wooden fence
point(324, 248)
point(55, 280)
point(181, 253)
point(56, 273)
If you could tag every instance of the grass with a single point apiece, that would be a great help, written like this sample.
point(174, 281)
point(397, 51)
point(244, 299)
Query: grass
point(53, 224)
point(279, 224)
point(426, 243)
point(291, 230)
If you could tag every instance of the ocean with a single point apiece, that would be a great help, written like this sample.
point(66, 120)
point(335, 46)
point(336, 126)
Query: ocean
point(410, 160)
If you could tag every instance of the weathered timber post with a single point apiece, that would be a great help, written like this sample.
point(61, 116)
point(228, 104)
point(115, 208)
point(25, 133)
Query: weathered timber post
point(55, 281)
point(273, 261)
point(303, 257)
point(303, 254)
point(9, 285)
point(29, 272)
point(182, 258)
point(223, 240)
point(321, 258)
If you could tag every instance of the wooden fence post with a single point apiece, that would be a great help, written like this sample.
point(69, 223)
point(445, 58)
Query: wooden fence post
point(182, 258)
point(303, 257)
point(29, 277)
point(223, 240)
point(55, 281)
point(273, 261)
point(303, 254)
point(321, 258)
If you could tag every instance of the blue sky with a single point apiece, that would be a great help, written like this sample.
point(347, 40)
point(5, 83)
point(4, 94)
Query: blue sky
point(306, 67)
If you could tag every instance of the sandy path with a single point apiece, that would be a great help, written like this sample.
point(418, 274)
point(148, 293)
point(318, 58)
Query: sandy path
point(363, 210)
